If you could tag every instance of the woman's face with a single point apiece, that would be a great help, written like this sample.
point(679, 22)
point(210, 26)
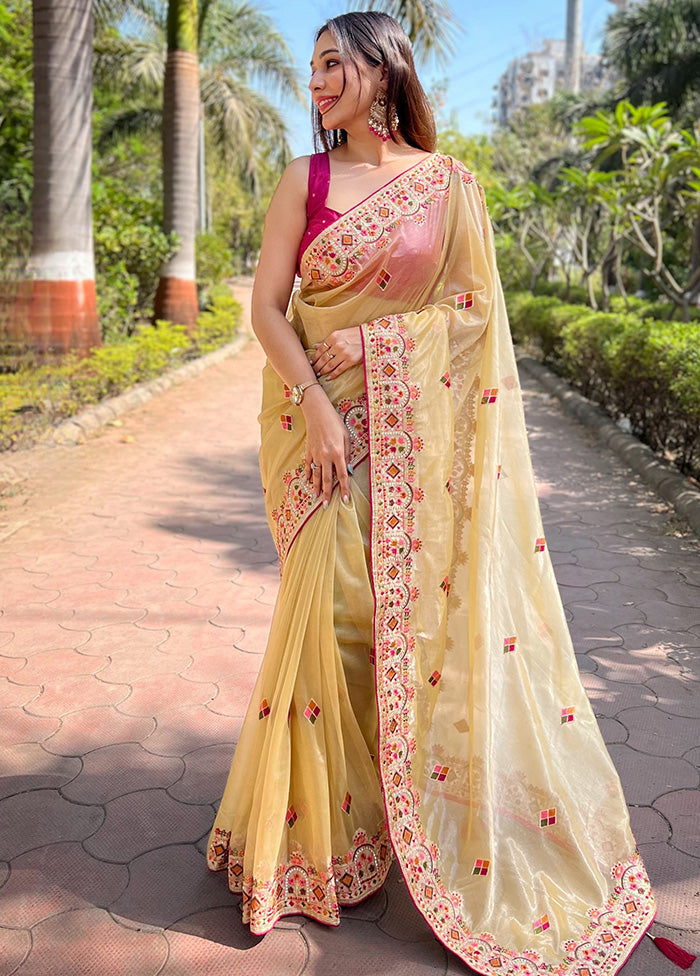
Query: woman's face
point(329, 74)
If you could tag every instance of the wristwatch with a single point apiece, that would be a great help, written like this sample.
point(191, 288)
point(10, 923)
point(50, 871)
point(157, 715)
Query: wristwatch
point(296, 394)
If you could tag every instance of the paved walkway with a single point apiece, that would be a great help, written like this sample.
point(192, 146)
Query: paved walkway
point(137, 577)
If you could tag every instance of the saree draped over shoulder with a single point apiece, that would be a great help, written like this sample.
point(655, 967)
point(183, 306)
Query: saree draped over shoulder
point(419, 697)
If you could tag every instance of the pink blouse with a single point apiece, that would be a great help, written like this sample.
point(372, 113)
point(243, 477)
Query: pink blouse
point(318, 215)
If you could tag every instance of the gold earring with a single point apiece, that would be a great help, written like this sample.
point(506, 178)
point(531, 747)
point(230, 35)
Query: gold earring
point(378, 117)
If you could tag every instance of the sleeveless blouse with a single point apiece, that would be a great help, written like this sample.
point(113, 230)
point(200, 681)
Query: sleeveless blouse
point(318, 215)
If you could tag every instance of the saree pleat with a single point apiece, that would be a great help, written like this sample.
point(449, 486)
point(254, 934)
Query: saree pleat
point(419, 694)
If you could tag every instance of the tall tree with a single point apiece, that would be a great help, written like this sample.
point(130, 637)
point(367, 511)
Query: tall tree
point(59, 303)
point(655, 46)
point(176, 297)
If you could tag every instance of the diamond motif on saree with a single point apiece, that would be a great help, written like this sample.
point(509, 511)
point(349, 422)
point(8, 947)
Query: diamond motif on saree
point(567, 715)
point(286, 421)
point(439, 773)
point(548, 817)
point(291, 817)
point(345, 805)
point(264, 709)
point(481, 867)
point(464, 301)
point(434, 678)
point(541, 924)
point(383, 278)
point(539, 544)
point(312, 711)
point(490, 395)
point(508, 644)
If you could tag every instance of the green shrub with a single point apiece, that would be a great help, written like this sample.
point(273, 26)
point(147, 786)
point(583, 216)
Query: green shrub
point(214, 261)
point(638, 367)
point(34, 397)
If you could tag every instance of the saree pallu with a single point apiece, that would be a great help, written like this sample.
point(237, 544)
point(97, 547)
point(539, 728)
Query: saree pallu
point(419, 697)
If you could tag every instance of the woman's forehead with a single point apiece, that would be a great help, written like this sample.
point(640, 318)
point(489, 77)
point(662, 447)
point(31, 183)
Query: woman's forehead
point(325, 43)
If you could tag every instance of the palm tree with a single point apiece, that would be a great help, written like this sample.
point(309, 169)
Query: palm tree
point(176, 297)
point(59, 307)
point(655, 46)
point(239, 49)
point(430, 24)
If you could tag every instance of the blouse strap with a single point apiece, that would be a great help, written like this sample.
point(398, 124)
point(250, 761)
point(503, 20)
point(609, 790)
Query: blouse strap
point(319, 181)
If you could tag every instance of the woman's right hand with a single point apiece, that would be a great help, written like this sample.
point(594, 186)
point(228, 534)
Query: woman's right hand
point(327, 445)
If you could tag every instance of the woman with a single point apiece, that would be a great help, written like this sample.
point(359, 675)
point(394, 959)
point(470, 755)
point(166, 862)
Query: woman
point(419, 696)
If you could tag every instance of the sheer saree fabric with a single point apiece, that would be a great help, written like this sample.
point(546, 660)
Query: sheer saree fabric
point(419, 696)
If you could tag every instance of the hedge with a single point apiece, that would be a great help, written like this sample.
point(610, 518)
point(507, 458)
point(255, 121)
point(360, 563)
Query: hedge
point(642, 369)
point(35, 397)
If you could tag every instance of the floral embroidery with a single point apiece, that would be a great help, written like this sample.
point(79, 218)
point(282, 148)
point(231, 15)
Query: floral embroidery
point(339, 251)
point(300, 887)
point(629, 910)
point(299, 499)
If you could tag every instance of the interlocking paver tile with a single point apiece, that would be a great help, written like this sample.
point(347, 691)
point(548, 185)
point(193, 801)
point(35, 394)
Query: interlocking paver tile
point(205, 775)
point(9, 666)
point(17, 726)
point(143, 821)
point(682, 809)
point(112, 638)
point(362, 949)
point(679, 696)
point(213, 950)
point(129, 665)
point(13, 694)
point(644, 781)
point(693, 756)
point(183, 886)
point(58, 878)
point(612, 729)
point(669, 616)
point(70, 693)
point(62, 662)
point(14, 947)
point(674, 877)
point(610, 697)
point(88, 942)
point(26, 766)
point(633, 666)
point(80, 732)
point(164, 692)
point(183, 730)
point(657, 733)
point(189, 639)
point(588, 618)
point(648, 826)
point(29, 820)
point(234, 692)
point(215, 663)
point(112, 771)
point(41, 629)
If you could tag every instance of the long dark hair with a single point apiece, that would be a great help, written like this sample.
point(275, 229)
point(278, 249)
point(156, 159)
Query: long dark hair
point(377, 38)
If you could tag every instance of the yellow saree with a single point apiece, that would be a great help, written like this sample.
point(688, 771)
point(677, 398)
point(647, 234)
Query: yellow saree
point(419, 697)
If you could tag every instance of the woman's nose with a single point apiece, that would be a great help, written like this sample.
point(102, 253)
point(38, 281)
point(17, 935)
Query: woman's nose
point(314, 82)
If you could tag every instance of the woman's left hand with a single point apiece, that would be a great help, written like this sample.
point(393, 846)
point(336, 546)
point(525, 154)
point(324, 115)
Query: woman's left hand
point(337, 352)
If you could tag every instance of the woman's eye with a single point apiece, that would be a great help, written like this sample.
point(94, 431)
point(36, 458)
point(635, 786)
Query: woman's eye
point(332, 63)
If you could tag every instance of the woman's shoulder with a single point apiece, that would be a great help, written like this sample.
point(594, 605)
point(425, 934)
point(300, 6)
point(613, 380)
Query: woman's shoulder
point(459, 169)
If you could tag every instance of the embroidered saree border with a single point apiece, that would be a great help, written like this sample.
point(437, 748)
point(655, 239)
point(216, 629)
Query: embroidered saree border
point(615, 928)
point(299, 500)
point(299, 887)
point(335, 254)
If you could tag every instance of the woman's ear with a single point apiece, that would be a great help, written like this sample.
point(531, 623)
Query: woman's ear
point(384, 77)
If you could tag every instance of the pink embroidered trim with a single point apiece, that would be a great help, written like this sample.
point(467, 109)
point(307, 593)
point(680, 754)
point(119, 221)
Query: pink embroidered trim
point(299, 501)
point(615, 928)
point(335, 255)
point(301, 888)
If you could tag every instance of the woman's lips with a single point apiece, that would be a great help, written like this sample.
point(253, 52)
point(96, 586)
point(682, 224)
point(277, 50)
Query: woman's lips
point(323, 104)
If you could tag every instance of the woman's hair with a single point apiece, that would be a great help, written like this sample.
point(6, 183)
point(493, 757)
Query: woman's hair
point(378, 39)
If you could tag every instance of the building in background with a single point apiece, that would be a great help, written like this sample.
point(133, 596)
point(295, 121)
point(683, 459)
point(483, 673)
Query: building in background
point(559, 65)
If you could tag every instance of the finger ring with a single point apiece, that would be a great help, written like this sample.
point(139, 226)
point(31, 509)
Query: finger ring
point(326, 344)
point(331, 355)
point(315, 465)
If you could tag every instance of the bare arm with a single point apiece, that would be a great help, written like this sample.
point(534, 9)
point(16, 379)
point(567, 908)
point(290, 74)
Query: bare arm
point(327, 441)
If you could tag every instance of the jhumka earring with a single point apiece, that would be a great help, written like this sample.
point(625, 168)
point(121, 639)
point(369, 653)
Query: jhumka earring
point(378, 118)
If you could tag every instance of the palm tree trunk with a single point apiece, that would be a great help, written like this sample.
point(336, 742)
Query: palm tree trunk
point(60, 311)
point(176, 298)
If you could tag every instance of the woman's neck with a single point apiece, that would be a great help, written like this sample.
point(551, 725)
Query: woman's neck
point(363, 146)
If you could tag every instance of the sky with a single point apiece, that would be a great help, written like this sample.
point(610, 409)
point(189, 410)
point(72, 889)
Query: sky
point(493, 32)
